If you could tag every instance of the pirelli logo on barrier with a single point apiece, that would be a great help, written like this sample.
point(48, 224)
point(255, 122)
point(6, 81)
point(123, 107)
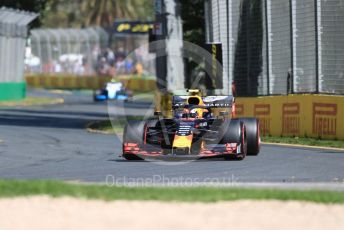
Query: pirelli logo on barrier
point(291, 118)
point(263, 111)
point(324, 119)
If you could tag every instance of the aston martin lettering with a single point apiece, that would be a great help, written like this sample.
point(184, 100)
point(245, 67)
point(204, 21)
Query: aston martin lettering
point(218, 104)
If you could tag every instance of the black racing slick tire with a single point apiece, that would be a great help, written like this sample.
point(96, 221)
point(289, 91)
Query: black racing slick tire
point(231, 131)
point(95, 97)
point(134, 132)
point(235, 132)
point(151, 123)
point(253, 135)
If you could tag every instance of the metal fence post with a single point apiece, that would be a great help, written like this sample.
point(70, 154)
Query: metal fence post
point(316, 46)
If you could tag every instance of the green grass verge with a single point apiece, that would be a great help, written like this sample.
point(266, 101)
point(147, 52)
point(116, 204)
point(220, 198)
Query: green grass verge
point(9, 188)
point(141, 96)
point(109, 127)
point(30, 101)
point(105, 127)
point(304, 141)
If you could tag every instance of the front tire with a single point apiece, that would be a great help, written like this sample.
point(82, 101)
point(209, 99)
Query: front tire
point(253, 135)
point(134, 132)
point(235, 132)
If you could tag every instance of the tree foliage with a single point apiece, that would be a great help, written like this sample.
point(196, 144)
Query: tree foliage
point(193, 21)
point(80, 13)
point(192, 12)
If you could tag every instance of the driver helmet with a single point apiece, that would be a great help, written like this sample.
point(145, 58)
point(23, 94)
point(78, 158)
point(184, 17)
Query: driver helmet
point(194, 113)
point(189, 114)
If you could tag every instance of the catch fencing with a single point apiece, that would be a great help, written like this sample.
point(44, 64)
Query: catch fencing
point(278, 47)
point(65, 50)
point(88, 51)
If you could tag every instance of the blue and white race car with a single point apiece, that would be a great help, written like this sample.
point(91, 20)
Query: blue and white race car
point(112, 91)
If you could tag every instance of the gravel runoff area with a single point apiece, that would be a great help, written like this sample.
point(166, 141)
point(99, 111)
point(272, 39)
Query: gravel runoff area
point(43, 212)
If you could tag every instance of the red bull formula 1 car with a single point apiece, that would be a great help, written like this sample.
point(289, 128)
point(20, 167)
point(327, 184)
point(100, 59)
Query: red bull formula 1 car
point(201, 127)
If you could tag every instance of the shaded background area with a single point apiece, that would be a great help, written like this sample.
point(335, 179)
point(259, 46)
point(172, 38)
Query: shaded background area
point(276, 47)
point(248, 51)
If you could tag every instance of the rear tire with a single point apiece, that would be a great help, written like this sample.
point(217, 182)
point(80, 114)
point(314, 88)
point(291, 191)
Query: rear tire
point(253, 135)
point(151, 123)
point(134, 132)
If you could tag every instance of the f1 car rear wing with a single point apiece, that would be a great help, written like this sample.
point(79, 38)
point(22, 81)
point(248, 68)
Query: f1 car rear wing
point(208, 101)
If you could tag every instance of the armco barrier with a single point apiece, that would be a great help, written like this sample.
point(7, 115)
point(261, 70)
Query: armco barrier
point(296, 115)
point(304, 115)
point(88, 82)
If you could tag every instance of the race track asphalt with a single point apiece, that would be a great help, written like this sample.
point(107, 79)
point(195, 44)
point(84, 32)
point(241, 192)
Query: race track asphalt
point(50, 142)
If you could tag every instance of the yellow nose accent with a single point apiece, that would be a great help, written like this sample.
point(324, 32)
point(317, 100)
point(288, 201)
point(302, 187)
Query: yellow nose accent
point(182, 141)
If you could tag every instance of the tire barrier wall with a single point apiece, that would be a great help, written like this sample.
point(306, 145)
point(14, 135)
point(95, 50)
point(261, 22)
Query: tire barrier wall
point(89, 82)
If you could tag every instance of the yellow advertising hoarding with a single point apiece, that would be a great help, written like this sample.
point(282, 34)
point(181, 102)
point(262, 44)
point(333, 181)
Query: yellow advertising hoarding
point(89, 82)
point(296, 115)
